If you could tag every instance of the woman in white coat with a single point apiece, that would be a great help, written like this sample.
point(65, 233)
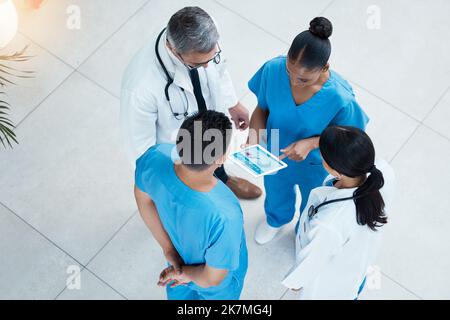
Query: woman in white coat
point(339, 231)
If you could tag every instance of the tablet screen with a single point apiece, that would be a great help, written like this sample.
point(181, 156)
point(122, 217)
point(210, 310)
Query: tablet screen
point(257, 161)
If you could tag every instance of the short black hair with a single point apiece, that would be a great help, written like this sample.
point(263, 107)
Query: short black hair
point(312, 48)
point(203, 138)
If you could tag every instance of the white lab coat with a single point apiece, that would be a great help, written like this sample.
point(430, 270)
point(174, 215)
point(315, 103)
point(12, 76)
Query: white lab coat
point(333, 252)
point(146, 117)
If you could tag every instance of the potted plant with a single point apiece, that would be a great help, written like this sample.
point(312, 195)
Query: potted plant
point(7, 72)
point(8, 29)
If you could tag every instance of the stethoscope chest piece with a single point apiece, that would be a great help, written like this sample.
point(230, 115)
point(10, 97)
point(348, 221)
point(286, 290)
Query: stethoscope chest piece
point(312, 211)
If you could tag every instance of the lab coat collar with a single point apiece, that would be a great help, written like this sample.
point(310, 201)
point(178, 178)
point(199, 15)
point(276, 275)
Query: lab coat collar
point(174, 66)
point(333, 192)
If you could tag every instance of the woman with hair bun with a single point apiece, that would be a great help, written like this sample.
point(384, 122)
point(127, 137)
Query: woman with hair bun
point(299, 96)
point(340, 228)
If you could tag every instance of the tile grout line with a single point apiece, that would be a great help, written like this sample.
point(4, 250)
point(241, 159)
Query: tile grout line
point(107, 284)
point(327, 7)
point(419, 123)
point(40, 233)
point(72, 71)
point(405, 143)
point(85, 267)
point(251, 22)
point(436, 104)
point(436, 132)
point(112, 237)
point(422, 124)
point(280, 39)
point(75, 69)
point(262, 28)
point(232, 11)
point(402, 286)
point(384, 100)
point(46, 50)
point(113, 34)
point(96, 48)
point(44, 99)
point(97, 84)
point(284, 294)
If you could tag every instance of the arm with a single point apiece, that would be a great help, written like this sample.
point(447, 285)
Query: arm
point(240, 117)
point(149, 214)
point(222, 255)
point(350, 115)
point(299, 150)
point(202, 275)
point(257, 123)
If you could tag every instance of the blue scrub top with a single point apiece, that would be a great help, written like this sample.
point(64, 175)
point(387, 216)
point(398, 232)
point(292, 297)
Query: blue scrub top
point(205, 227)
point(334, 104)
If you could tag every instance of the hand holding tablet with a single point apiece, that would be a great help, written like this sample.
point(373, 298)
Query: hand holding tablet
point(257, 161)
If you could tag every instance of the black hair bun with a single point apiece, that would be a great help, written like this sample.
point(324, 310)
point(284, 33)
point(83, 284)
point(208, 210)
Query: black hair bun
point(321, 27)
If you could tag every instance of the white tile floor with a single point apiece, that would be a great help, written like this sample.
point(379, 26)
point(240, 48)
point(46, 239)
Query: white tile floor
point(65, 191)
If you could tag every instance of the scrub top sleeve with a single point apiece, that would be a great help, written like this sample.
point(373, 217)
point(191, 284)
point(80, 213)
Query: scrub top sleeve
point(257, 85)
point(138, 181)
point(351, 115)
point(224, 245)
point(324, 243)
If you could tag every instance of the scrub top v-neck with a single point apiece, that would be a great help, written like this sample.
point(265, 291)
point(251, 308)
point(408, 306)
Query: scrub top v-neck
point(334, 103)
point(287, 122)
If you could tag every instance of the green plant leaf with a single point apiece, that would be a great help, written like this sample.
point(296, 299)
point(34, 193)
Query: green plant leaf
point(6, 127)
point(7, 71)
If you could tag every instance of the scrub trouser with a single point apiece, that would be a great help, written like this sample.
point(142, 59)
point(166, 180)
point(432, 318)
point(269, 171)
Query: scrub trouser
point(279, 204)
point(221, 174)
point(231, 291)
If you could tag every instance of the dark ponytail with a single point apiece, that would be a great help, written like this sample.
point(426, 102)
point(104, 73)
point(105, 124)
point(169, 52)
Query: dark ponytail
point(369, 202)
point(350, 151)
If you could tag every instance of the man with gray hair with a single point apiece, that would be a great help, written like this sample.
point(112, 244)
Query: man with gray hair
point(183, 72)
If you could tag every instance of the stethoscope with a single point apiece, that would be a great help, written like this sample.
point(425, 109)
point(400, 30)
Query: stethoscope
point(178, 116)
point(312, 211)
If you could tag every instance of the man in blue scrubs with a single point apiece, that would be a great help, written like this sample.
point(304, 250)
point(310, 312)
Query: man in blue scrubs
point(193, 213)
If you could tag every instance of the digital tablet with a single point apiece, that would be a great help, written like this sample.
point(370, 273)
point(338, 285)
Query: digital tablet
point(257, 161)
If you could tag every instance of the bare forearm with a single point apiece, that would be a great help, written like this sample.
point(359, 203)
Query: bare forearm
point(257, 123)
point(149, 214)
point(314, 142)
point(200, 276)
point(153, 223)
